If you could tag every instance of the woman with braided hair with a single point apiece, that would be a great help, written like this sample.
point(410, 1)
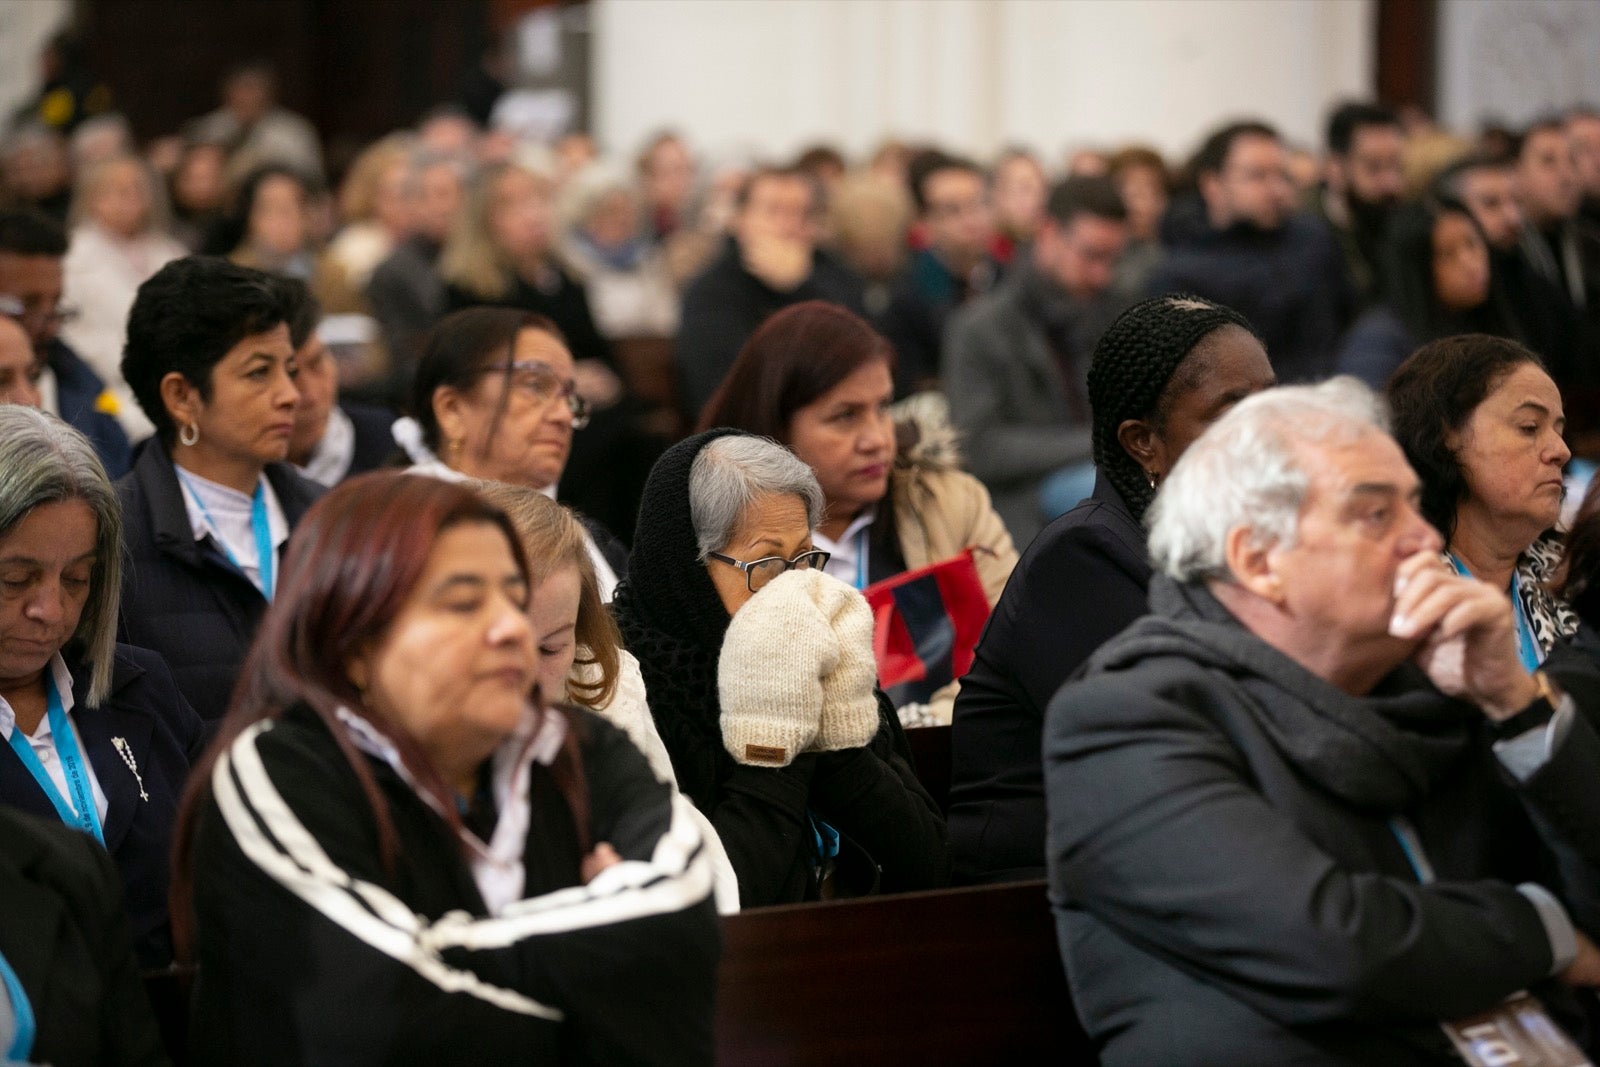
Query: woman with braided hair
point(1164, 371)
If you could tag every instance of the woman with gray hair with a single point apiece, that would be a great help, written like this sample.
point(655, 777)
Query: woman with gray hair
point(762, 683)
point(97, 734)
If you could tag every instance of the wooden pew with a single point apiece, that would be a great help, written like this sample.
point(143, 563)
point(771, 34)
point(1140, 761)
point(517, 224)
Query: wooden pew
point(954, 976)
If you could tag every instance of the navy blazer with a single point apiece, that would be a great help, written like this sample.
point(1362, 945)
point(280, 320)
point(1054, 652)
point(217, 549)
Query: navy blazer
point(67, 939)
point(374, 440)
point(1080, 583)
point(183, 598)
point(164, 736)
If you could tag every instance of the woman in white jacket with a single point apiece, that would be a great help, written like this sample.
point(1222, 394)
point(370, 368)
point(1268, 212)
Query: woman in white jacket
point(581, 658)
point(119, 239)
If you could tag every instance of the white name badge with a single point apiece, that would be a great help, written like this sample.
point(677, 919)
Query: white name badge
point(1516, 1033)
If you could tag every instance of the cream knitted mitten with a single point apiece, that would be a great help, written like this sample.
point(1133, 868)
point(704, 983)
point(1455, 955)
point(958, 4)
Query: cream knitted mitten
point(777, 652)
point(849, 692)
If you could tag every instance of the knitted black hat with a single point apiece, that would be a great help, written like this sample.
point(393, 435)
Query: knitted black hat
point(1136, 359)
point(667, 585)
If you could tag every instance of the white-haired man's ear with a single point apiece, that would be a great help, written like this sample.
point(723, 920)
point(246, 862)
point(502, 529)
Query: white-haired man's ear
point(1253, 564)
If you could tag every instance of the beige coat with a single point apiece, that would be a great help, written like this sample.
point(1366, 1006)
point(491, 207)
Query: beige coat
point(940, 510)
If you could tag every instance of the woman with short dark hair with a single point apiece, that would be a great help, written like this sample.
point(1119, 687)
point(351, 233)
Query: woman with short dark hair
point(211, 500)
point(1481, 423)
point(495, 399)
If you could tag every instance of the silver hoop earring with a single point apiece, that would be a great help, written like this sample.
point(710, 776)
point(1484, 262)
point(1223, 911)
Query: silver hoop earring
point(189, 435)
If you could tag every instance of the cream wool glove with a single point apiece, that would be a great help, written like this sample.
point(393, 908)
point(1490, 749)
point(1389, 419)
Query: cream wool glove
point(850, 691)
point(792, 668)
point(777, 650)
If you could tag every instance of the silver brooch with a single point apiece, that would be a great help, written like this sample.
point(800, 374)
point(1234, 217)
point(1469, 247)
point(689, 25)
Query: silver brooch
point(126, 752)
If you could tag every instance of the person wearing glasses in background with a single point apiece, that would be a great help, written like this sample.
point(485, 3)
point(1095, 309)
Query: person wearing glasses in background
point(762, 681)
point(494, 400)
point(32, 248)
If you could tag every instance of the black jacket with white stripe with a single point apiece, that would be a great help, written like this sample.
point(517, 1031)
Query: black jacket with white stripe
point(310, 952)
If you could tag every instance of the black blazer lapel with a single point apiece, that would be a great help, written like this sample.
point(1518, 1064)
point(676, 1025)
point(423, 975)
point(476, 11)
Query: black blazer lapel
point(101, 729)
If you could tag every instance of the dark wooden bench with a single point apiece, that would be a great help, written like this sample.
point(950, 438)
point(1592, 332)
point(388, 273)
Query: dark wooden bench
point(955, 976)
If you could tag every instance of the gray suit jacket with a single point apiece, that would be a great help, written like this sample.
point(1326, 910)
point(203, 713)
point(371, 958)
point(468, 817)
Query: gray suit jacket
point(1009, 399)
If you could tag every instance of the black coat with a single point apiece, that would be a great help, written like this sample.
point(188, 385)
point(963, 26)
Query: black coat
point(79, 393)
point(182, 598)
point(1227, 880)
point(723, 306)
point(163, 736)
point(1079, 584)
point(374, 438)
point(1290, 283)
point(66, 937)
point(347, 961)
point(674, 623)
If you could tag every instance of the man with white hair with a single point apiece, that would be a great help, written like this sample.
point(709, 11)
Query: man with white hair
point(1312, 809)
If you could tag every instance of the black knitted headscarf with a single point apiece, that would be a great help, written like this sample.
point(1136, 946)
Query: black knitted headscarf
point(673, 621)
point(1136, 360)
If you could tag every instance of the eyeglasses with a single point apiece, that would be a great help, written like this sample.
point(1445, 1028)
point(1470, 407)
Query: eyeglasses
point(758, 572)
point(540, 383)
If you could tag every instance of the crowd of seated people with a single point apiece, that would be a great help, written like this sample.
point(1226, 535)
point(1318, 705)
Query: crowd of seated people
point(441, 585)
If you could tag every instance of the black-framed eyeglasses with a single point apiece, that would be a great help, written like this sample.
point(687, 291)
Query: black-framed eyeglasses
point(758, 572)
point(541, 384)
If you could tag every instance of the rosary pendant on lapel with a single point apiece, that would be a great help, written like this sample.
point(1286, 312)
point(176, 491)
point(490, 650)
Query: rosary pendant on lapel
point(126, 752)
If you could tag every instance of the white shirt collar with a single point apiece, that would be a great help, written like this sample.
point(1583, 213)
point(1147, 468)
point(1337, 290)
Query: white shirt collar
point(330, 461)
point(63, 679)
point(497, 865)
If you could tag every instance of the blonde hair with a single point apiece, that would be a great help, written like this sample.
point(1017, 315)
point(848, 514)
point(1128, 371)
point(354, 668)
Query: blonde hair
point(156, 218)
point(358, 196)
point(470, 259)
point(554, 540)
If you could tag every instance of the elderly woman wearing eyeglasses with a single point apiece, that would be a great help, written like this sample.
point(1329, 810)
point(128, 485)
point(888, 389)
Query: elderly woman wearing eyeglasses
point(494, 400)
point(762, 682)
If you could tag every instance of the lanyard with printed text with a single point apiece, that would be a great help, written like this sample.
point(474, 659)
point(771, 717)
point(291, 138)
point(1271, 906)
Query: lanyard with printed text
point(80, 812)
point(258, 525)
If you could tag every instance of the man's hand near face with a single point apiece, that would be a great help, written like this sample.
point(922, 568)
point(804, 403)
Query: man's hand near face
point(1469, 641)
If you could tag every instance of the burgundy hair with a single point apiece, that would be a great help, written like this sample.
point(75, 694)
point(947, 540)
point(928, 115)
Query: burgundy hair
point(795, 357)
point(350, 566)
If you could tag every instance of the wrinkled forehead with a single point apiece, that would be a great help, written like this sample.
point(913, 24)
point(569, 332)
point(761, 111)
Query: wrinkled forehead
point(1354, 461)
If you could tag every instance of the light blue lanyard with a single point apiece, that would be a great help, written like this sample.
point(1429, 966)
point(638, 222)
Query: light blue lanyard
point(1411, 845)
point(258, 525)
point(1527, 647)
point(861, 557)
point(22, 1009)
point(81, 812)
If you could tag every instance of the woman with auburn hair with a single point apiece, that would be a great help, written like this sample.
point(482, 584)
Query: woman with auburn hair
point(389, 825)
point(818, 379)
point(581, 658)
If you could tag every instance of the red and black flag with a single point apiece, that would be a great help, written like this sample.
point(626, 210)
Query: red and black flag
point(926, 623)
